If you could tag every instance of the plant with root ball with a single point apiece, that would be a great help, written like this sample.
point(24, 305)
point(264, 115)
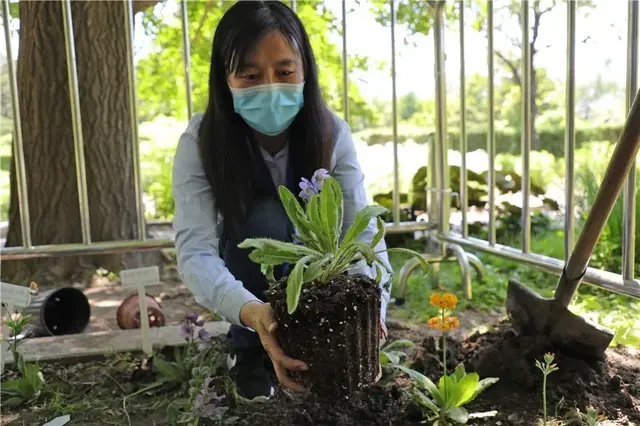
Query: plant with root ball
point(320, 254)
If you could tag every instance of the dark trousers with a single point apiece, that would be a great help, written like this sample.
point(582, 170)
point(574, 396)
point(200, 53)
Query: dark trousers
point(267, 220)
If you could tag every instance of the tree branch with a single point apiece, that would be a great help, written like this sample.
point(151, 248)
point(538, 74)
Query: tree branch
point(142, 5)
point(515, 72)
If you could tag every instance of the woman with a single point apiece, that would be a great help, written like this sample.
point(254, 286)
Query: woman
point(265, 125)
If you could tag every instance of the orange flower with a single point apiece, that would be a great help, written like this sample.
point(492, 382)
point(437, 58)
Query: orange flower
point(434, 322)
point(444, 324)
point(443, 300)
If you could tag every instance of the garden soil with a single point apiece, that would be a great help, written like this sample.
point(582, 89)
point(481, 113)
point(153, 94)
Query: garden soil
point(612, 387)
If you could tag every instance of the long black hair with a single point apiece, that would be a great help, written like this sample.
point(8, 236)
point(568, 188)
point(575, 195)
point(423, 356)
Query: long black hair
point(227, 150)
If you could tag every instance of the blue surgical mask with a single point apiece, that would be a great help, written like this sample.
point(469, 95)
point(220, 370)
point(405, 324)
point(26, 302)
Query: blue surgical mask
point(269, 108)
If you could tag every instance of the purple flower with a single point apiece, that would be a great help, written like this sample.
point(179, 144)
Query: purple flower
point(308, 189)
point(186, 331)
point(191, 317)
point(319, 177)
point(203, 334)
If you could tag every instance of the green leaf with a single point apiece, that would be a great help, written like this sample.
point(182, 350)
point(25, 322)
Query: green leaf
point(459, 372)
point(418, 256)
point(458, 414)
point(171, 371)
point(424, 400)
point(273, 256)
point(449, 390)
point(378, 274)
point(465, 389)
point(370, 256)
point(270, 245)
point(329, 210)
point(18, 387)
point(294, 284)
point(298, 217)
point(12, 402)
point(34, 378)
point(337, 190)
point(315, 223)
point(360, 223)
point(380, 234)
point(483, 385)
point(267, 271)
point(400, 344)
point(316, 268)
point(422, 381)
point(389, 358)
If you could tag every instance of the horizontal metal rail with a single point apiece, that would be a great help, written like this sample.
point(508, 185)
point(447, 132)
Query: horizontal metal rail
point(604, 279)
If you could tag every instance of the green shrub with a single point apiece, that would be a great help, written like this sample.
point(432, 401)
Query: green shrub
point(507, 140)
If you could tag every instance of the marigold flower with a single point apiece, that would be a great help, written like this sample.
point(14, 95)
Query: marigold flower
point(443, 300)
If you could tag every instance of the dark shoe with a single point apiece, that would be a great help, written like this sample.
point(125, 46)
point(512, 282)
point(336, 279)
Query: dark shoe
point(248, 370)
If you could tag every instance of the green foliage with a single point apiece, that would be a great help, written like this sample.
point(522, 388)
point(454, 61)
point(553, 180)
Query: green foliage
point(446, 400)
point(162, 89)
point(507, 139)
point(28, 387)
point(392, 354)
point(321, 256)
point(608, 252)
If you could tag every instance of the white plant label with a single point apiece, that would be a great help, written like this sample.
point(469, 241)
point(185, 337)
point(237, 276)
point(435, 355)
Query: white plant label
point(140, 278)
point(16, 295)
point(59, 421)
point(11, 295)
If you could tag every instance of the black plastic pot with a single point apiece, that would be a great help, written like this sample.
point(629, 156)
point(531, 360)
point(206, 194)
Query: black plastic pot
point(59, 311)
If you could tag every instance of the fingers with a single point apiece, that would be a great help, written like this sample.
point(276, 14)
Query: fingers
point(285, 380)
point(277, 355)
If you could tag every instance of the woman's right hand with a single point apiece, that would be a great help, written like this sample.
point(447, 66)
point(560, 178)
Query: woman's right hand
point(259, 317)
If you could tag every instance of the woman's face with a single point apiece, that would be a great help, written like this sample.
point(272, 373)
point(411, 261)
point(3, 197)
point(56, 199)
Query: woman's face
point(272, 61)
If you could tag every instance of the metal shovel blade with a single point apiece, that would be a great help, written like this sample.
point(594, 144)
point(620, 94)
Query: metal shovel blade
point(532, 314)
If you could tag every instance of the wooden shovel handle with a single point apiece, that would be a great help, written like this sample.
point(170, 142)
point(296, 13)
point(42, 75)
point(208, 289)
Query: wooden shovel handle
point(618, 169)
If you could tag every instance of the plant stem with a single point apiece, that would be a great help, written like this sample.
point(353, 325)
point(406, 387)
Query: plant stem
point(544, 397)
point(444, 356)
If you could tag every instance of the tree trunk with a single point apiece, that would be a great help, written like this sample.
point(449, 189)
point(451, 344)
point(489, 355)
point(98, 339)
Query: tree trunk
point(43, 89)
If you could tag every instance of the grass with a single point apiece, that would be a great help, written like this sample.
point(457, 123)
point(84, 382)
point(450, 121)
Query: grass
point(93, 391)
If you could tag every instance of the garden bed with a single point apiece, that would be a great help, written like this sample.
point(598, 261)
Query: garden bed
point(93, 392)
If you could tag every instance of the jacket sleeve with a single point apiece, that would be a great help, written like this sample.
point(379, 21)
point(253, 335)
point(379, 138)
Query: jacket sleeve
point(196, 227)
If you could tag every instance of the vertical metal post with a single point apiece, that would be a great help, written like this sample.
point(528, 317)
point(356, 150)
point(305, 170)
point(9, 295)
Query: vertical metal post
point(345, 66)
point(526, 126)
point(18, 146)
point(570, 132)
point(629, 189)
point(133, 105)
point(78, 140)
point(186, 52)
point(293, 5)
point(394, 105)
point(491, 140)
point(464, 194)
point(444, 202)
